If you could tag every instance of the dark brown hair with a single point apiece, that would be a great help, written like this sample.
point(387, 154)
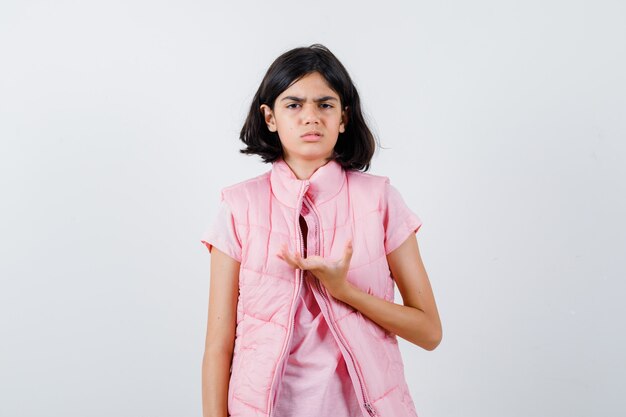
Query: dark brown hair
point(355, 147)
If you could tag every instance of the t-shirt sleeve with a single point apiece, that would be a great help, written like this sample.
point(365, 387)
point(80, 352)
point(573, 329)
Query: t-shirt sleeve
point(399, 220)
point(223, 233)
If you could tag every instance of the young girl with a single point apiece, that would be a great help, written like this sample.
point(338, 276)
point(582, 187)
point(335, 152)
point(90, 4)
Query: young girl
point(302, 320)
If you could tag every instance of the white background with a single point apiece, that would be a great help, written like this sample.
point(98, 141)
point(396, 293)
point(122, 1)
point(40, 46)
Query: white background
point(504, 129)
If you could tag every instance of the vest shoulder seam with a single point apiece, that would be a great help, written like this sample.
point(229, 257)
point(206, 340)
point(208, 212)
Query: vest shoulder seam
point(367, 175)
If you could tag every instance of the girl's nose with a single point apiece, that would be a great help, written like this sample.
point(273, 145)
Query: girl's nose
point(310, 114)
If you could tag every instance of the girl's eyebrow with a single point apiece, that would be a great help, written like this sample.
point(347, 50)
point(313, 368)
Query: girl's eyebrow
point(298, 99)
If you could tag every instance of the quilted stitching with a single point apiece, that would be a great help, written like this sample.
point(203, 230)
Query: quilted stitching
point(349, 204)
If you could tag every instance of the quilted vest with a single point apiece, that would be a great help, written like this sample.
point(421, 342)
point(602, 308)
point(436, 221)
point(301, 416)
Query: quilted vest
point(266, 211)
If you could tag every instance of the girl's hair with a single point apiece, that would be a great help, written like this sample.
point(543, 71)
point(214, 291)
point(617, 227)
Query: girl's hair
point(355, 147)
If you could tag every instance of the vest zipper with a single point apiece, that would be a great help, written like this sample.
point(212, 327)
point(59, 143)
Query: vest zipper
point(336, 330)
point(299, 279)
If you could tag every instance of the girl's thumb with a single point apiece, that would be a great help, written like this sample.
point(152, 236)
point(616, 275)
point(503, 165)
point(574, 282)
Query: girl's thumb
point(348, 249)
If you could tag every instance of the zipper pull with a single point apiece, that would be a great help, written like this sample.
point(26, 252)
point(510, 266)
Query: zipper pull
point(369, 409)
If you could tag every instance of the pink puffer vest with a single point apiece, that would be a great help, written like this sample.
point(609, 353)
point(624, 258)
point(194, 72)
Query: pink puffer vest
point(266, 212)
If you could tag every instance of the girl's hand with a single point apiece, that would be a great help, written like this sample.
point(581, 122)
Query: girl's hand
point(331, 273)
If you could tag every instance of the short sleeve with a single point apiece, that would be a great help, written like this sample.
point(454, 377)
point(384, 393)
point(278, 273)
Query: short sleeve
point(223, 233)
point(399, 220)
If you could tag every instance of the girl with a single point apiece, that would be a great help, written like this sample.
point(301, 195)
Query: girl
point(304, 259)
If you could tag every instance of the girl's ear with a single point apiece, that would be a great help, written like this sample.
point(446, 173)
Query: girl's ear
point(268, 116)
point(344, 120)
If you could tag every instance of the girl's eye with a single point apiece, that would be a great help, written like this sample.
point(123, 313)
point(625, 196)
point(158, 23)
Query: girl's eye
point(296, 105)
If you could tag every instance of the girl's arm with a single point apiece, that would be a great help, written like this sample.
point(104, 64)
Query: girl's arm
point(220, 335)
point(416, 321)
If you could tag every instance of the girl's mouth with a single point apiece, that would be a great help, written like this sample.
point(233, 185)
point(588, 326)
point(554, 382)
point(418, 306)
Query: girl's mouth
point(311, 136)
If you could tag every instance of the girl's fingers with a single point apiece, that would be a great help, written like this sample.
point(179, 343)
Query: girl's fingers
point(313, 262)
point(295, 260)
point(289, 258)
point(298, 260)
point(347, 252)
point(281, 252)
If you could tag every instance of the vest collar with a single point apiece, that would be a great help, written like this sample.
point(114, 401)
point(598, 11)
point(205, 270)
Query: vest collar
point(323, 184)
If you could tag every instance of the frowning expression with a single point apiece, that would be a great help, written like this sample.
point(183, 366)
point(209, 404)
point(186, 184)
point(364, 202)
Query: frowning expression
point(308, 118)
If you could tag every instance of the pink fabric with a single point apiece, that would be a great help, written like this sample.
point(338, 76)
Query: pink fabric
point(398, 220)
point(399, 223)
point(222, 233)
point(316, 381)
point(257, 216)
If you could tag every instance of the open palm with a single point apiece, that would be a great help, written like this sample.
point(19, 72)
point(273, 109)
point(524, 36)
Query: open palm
point(332, 273)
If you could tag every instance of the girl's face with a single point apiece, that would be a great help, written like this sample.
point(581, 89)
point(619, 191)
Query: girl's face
point(308, 118)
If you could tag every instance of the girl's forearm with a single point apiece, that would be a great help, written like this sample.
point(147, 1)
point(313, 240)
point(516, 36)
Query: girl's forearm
point(215, 379)
point(408, 322)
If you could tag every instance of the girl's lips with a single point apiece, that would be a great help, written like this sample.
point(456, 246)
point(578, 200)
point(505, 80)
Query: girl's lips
point(311, 137)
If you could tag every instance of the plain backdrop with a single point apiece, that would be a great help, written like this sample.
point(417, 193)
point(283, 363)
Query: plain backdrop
point(503, 126)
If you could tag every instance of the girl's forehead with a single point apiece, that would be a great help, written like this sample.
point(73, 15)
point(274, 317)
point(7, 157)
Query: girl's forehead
point(313, 84)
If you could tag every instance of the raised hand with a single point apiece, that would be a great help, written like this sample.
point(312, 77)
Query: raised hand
point(331, 273)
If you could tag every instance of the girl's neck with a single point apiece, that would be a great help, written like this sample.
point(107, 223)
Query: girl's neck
point(303, 169)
